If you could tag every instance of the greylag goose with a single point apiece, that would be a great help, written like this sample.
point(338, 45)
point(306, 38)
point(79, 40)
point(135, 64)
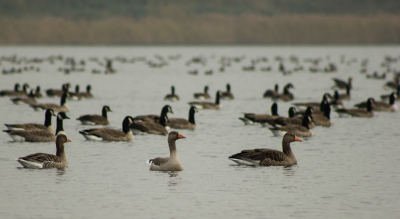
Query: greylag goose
point(96, 119)
point(325, 119)
point(271, 93)
point(57, 92)
point(387, 96)
point(108, 134)
point(155, 118)
point(172, 96)
point(227, 95)
point(269, 157)
point(314, 105)
point(38, 94)
point(39, 135)
point(172, 162)
point(30, 99)
point(342, 84)
point(286, 96)
point(88, 94)
point(204, 95)
point(11, 92)
point(252, 118)
point(302, 130)
point(63, 107)
point(382, 106)
point(358, 112)
point(181, 123)
point(29, 126)
point(150, 127)
point(208, 105)
point(42, 160)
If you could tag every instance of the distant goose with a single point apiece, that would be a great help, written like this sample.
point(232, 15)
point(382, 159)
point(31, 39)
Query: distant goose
point(271, 93)
point(24, 91)
point(150, 127)
point(336, 101)
point(75, 95)
point(30, 99)
point(292, 120)
point(358, 112)
point(57, 92)
point(180, 123)
point(208, 105)
point(387, 96)
point(204, 95)
point(286, 96)
point(382, 106)
point(29, 126)
point(172, 96)
point(88, 94)
point(96, 119)
point(38, 94)
point(251, 118)
point(269, 157)
point(155, 118)
point(42, 160)
point(172, 162)
point(11, 92)
point(342, 84)
point(63, 107)
point(302, 130)
point(325, 119)
point(314, 105)
point(227, 95)
point(108, 134)
point(39, 135)
point(345, 96)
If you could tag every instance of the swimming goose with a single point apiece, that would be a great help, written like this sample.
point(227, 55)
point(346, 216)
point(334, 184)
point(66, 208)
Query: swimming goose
point(204, 95)
point(286, 96)
point(150, 127)
point(11, 93)
point(336, 101)
point(269, 157)
point(155, 118)
point(325, 119)
point(42, 160)
point(345, 96)
point(172, 96)
point(108, 134)
point(302, 130)
point(292, 120)
point(358, 112)
point(172, 162)
point(342, 84)
point(382, 106)
point(38, 94)
point(75, 95)
point(96, 119)
point(314, 105)
point(208, 105)
point(30, 99)
point(227, 95)
point(251, 118)
point(57, 92)
point(271, 93)
point(24, 91)
point(39, 135)
point(29, 126)
point(87, 95)
point(181, 123)
point(387, 96)
point(63, 107)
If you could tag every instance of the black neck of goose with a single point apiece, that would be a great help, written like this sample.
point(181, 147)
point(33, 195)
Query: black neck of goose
point(205, 89)
point(59, 125)
point(162, 120)
point(322, 106)
point(286, 147)
point(104, 112)
point(217, 99)
point(325, 98)
point(336, 95)
point(38, 89)
point(398, 90)
point(349, 84)
point(164, 111)
point(77, 89)
point(327, 112)
point(125, 125)
point(172, 91)
point(88, 88)
point(31, 94)
point(274, 109)
point(228, 88)
point(191, 115)
point(286, 90)
point(292, 112)
point(63, 99)
point(16, 87)
point(348, 90)
point(392, 99)
point(369, 106)
point(24, 88)
point(47, 119)
point(305, 122)
point(276, 87)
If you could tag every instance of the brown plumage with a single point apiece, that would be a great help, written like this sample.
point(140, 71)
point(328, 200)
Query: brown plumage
point(155, 118)
point(108, 134)
point(208, 105)
point(150, 127)
point(203, 95)
point(88, 94)
point(181, 123)
point(96, 119)
point(29, 126)
point(302, 130)
point(227, 95)
point(30, 99)
point(358, 112)
point(250, 118)
point(63, 107)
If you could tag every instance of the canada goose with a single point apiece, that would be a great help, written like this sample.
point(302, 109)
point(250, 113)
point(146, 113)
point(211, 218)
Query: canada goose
point(336, 102)
point(180, 123)
point(75, 95)
point(11, 93)
point(150, 127)
point(38, 94)
point(286, 96)
point(172, 162)
point(96, 119)
point(251, 118)
point(325, 119)
point(387, 96)
point(30, 99)
point(302, 130)
point(314, 105)
point(42, 160)
point(63, 107)
point(271, 93)
point(382, 106)
point(292, 120)
point(358, 112)
point(57, 92)
point(204, 95)
point(87, 95)
point(208, 105)
point(342, 84)
point(155, 118)
point(269, 157)
point(24, 91)
point(227, 95)
point(108, 134)
point(172, 96)
point(39, 135)
point(29, 126)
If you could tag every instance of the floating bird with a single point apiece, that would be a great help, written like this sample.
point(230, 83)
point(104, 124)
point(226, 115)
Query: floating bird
point(172, 96)
point(63, 107)
point(227, 95)
point(29, 126)
point(208, 105)
point(203, 95)
point(96, 119)
point(108, 134)
point(181, 123)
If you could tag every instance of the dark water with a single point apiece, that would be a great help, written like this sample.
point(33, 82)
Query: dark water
point(349, 170)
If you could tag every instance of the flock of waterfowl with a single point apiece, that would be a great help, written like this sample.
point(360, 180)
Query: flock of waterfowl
point(299, 123)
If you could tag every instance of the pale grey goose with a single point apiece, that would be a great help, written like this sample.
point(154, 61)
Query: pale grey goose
point(108, 134)
point(96, 119)
point(30, 99)
point(172, 96)
point(88, 94)
point(172, 162)
point(342, 84)
point(181, 123)
point(358, 112)
point(302, 130)
point(227, 95)
point(63, 107)
point(269, 157)
point(39, 135)
point(150, 127)
point(29, 126)
point(252, 118)
point(203, 95)
point(208, 105)
point(42, 160)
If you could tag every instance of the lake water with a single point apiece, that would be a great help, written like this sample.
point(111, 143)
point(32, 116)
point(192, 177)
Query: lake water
point(350, 170)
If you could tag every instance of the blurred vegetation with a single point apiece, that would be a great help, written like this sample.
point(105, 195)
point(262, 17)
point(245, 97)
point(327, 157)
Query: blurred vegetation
point(199, 22)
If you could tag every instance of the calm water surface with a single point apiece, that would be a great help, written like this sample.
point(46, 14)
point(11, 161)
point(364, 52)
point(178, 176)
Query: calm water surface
point(349, 170)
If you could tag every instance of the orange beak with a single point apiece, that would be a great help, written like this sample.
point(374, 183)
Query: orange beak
point(297, 139)
point(68, 140)
point(180, 136)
